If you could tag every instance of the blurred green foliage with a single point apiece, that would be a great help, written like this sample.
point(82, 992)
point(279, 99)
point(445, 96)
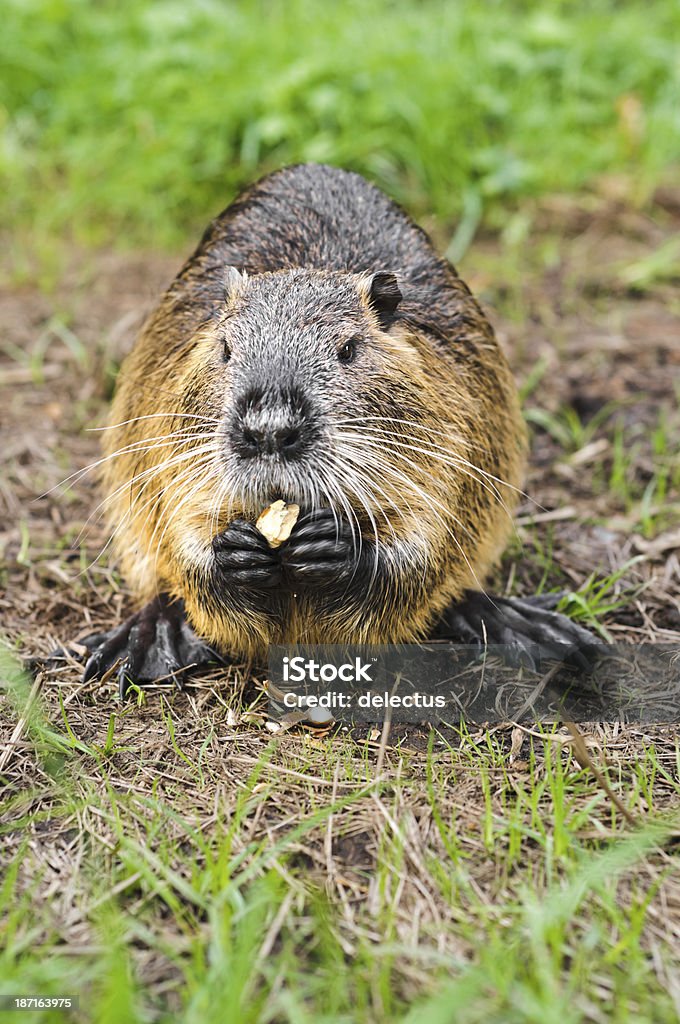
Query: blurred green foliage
point(138, 121)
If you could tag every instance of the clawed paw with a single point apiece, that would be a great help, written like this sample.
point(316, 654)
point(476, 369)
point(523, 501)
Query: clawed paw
point(322, 550)
point(528, 628)
point(153, 644)
point(244, 558)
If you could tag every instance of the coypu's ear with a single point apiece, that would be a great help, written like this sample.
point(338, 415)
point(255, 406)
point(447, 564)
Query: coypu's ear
point(383, 295)
point(234, 281)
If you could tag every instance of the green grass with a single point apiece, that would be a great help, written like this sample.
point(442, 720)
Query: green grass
point(244, 928)
point(600, 595)
point(638, 466)
point(136, 122)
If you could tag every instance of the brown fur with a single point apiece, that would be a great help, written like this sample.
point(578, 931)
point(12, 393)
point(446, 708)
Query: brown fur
point(439, 359)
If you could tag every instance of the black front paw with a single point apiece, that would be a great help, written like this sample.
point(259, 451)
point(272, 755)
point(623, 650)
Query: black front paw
point(244, 559)
point(323, 550)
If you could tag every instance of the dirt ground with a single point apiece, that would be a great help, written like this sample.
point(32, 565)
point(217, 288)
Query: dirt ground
point(582, 329)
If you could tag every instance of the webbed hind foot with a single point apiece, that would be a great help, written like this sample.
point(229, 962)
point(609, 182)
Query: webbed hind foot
point(527, 627)
point(155, 643)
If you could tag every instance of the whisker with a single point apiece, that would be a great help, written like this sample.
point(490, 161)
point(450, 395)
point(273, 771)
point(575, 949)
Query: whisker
point(429, 502)
point(148, 473)
point(366, 506)
point(166, 488)
point(356, 474)
point(452, 460)
point(201, 479)
point(217, 505)
point(133, 511)
point(335, 496)
point(400, 514)
point(158, 415)
point(136, 447)
point(434, 449)
point(414, 424)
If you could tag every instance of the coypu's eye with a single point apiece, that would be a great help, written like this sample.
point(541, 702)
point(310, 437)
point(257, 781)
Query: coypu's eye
point(347, 353)
point(226, 351)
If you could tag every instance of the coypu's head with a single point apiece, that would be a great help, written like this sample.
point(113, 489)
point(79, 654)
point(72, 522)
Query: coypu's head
point(316, 377)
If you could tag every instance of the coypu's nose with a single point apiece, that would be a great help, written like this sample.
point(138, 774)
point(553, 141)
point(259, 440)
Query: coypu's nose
point(286, 441)
point(270, 422)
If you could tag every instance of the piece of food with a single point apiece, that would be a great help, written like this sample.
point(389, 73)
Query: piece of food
point(319, 716)
point(277, 521)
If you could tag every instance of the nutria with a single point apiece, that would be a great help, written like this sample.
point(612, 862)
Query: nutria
point(314, 348)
